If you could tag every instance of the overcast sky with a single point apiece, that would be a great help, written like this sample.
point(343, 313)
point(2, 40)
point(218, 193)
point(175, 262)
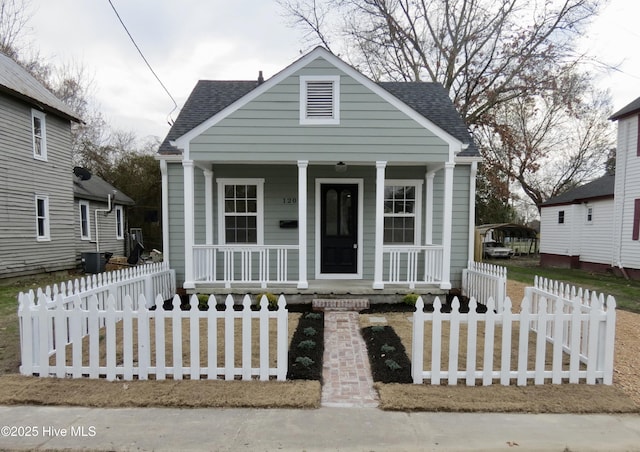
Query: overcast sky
point(188, 40)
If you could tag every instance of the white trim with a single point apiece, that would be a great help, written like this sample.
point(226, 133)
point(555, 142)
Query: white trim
point(208, 205)
point(259, 183)
point(43, 134)
point(165, 209)
point(83, 203)
point(189, 222)
point(46, 236)
point(417, 214)
point(335, 98)
point(447, 224)
point(182, 142)
point(472, 210)
point(360, 183)
point(119, 222)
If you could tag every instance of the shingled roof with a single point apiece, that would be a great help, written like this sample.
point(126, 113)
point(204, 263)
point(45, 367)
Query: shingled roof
point(97, 189)
point(600, 188)
point(16, 81)
point(212, 96)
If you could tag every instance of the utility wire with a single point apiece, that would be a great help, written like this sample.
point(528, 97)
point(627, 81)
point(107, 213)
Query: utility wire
point(175, 104)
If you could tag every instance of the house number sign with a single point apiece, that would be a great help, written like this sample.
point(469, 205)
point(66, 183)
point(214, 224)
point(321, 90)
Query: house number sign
point(289, 200)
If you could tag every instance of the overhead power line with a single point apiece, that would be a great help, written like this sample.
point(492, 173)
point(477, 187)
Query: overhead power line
point(175, 104)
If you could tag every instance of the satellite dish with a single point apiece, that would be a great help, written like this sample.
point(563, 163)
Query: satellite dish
point(82, 173)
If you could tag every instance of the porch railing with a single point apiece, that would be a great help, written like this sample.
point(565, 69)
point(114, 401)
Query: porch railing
point(255, 264)
point(412, 264)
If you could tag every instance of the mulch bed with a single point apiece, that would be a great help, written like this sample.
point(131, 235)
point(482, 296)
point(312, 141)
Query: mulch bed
point(387, 356)
point(307, 348)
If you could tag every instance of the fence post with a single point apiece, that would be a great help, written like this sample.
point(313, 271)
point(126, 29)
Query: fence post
point(417, 346)
point(610, 325)
point(27, 333)
point(282, 338)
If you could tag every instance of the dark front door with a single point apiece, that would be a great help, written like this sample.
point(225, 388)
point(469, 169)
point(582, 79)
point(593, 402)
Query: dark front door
point(339, 228)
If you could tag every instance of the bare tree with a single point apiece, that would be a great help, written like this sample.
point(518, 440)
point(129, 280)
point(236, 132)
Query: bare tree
point(484, 52)
point(14, 17)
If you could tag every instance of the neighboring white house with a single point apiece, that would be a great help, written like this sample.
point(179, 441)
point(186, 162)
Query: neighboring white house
point(597, 226)
point(575, 227)
point(626, 224)
point(315, 177)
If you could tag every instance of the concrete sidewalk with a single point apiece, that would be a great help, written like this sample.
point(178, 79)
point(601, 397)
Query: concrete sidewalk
point(344, 429)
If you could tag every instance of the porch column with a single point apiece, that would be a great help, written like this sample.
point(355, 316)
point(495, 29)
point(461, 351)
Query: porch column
point(302, 224)
point(447, 223)
point(428, 205)
point(472, 210)
point(189, 221)
point(379, 238)
point(208, 204)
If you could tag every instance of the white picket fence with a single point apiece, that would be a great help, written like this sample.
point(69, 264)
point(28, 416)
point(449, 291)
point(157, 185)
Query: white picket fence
point(128, 342)
point(483, 281)
point(578, 330)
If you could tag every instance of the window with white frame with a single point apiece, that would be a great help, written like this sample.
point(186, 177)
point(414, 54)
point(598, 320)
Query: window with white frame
point(39, 131)
point(589, 215)
point(241, 210)
point(42, 218)
point(320, 100)
point(85, 221)
point(119, 222)
point(402, 212)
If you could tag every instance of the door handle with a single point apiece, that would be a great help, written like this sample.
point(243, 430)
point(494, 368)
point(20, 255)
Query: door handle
point(355, 246)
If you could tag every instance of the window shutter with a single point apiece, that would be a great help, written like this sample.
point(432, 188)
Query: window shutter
point(319, 100)
point(636, 220)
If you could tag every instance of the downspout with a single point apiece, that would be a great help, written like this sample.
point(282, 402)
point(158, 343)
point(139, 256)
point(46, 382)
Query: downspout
point(106, 212)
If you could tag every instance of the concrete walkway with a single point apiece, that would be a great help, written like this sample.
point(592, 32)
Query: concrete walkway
point(342, 429)
point(346, 372)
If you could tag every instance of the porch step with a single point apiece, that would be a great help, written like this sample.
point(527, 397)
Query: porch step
point(340, 304)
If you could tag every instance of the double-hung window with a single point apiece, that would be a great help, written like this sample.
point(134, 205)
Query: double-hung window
point(119, 223)
point(402, 212)
point(42, 218)
point(241, 210)
point(320, 100)
point(39, 132)
point(85, 221)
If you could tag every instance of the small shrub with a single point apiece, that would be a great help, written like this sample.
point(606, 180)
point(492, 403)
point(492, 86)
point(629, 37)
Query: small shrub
point(410, 299)
point(391, 364)
point(305, 361)
point(310, 331)
point(386, 348)
point(313, 315)
point(307, 345)
point(203, 302)
point(271, 298)
point(377, 329)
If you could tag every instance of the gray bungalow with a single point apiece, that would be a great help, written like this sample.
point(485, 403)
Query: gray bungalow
point(318, 177)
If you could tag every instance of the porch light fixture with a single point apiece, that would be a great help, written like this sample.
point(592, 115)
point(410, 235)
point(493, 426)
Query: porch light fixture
point(341, 167)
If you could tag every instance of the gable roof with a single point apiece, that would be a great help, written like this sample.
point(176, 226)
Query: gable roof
point(210, 98)
point(628, 110)
point(98, 189)
point(600, 188)
point(16, 81)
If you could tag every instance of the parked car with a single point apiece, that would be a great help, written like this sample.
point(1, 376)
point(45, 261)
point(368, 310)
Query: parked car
point(496, 249)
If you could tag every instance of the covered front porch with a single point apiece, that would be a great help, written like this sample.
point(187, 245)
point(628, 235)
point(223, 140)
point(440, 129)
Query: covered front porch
point(382, 228)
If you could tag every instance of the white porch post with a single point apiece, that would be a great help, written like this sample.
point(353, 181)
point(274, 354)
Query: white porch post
point(428, 204)
point(189, 236)
point(302, 224)
point(379, 238)
point(208, 204)
point(447, 222)
point(472, 210)
point(164, 171)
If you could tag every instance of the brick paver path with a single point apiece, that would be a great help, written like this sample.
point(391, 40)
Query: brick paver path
point(346, 373)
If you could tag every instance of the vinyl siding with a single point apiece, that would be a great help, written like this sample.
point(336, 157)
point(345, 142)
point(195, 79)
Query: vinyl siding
point(596, 241)
point(369, 127)
point(280, 184)
point(107, 224)
point(627, 190)
point(560, 238)
point(21, 178)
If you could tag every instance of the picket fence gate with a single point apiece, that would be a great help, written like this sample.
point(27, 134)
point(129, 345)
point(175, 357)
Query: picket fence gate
point(483, 281)
point(581, 327)
point(128, 335)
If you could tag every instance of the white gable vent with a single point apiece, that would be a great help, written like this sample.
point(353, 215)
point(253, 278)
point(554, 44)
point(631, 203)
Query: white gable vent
point(319, 100)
